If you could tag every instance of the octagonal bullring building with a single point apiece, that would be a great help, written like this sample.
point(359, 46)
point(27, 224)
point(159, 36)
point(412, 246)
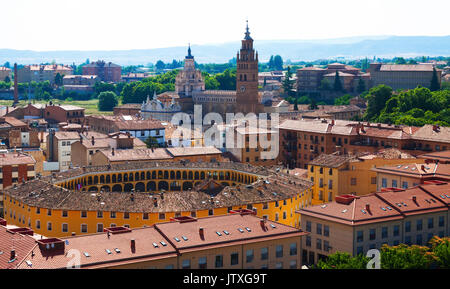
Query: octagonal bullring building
point(88, 200)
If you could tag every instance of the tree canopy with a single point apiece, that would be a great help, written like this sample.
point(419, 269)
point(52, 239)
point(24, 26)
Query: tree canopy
point(107, 100)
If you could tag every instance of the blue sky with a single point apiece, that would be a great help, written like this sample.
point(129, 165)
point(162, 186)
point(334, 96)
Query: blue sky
point(141, 24)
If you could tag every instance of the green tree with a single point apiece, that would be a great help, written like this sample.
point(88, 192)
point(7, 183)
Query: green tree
point(441, 251)
point(376, 100)
point(434, 81)
point(152, 142)
point(361, 86)
point(399, 60)
point(405, 257)
point(160, 65)
point(7, 79)
point(287, 82)
point(227, 79)
point(325, 85)
point(58, 80)
point(296, 104)
point(337, 83)
point(343, 260)
point(343, 100)
point(101, 86)
point(107, 100)
point(313, 104)
point(278, 62)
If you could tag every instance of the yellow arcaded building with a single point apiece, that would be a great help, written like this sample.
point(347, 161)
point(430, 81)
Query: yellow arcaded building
point(87, 200)
point(334, 174)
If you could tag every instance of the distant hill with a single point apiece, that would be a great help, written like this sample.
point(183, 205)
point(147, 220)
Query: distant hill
point(354, 47)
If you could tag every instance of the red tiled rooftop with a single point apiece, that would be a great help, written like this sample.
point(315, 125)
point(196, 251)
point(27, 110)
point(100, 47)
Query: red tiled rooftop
point(22, 244)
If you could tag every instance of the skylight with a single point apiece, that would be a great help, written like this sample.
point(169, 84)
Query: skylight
point(117, 250)
point(155, 245)
point(273, 226)
point(363, 211)
point(344, 210)
point(226, 232)
point(389, 208)
point(184, 238)
point(248, 229)
point(108, 251)
point(218, 233)
point(163, 243)
point(384, 209)
point(176, 239)
point(86, 254)
point(240, 230)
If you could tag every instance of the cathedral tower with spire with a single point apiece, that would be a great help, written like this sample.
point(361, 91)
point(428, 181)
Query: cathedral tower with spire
point(247, 98)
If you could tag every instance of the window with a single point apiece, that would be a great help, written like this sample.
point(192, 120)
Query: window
point(126, 215)
point(279, 265)
point(396, 230)
point(359, 236)
point(264, 253)
point(99, 228)
point(249, 256)
point(113, 215)
point(38, 224)
point(353, 181)
point(279, 251)
point(145, 216)
point(384, 232)
point(49, 212)
point(65, 228)
point(293, 264)
point(38, 210)
point(359, 250)
point(383, 183)
point(202, 263)
point(84, 228)
point(419, 239)
point(319, 229)
point(394, 183)
point(430, 223)
point(319, 244)
point(372, 234)
point(293, 249)
point(64, 214)
point(186, 264)
point(441, 221)
point(326, 246)
point(408, 226)
point(219, 261)
point(373, 180)
point(234, 258)
point(408, 240)
point(308, 241)
point(49, 226)
point(326, 230)
point(404, 185)
point(83, 214)
point(419, 225)
point(210, 212)
point(162, 216)
point(99, 214)
point(308, 226)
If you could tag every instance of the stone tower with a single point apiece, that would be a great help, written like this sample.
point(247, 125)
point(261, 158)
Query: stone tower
point(247, 99)
point(189, 79)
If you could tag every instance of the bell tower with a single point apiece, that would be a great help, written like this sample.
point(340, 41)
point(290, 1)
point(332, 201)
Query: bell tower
point(247, 99)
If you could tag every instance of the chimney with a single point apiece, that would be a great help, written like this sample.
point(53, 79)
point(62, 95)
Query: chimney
point(133, 245)
point(368, 208)
point(13, 255)
point(108, 234)
point(332, 122)
point(93, 140)
point(201, 231)
point(414, 198)
point(155, 202)
point(132, 197)
point(112, 152)
point(422, 167)
point(262, 222)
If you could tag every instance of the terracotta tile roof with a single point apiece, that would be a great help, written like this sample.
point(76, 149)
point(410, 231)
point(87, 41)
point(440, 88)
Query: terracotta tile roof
point(418, 170)
point(443, 156)
point(136, 154)
point(227, 223)
point(406, 67)
point(97, 244)
point(331, 160)
point(14, 122)
point(269, 187)
point(22, 244)
point(163, 235)
point(11, 158)
point(427, 132)
point(382, 206)
point(303, 125)
point(128, 122)
point(343, 74)
point(192, 151)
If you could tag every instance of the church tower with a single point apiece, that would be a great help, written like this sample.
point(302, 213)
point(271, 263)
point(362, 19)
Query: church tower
point(247, 99)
